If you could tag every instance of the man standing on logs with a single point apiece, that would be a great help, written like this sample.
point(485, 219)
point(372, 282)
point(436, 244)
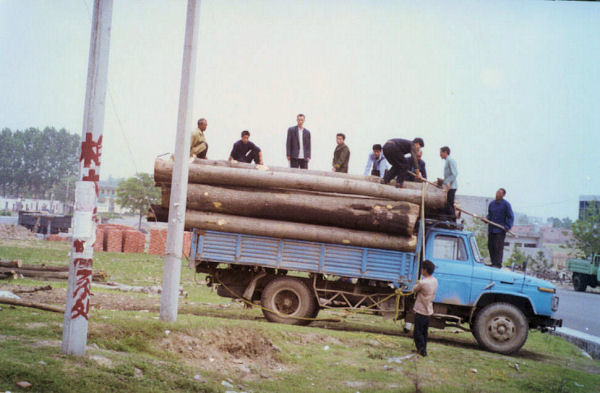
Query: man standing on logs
point(341, 155)
point(500, 212)
point(246, 151)
point(298, 144)
point(395, 151)
point(199, 147)
point(376, 164)
point(449, 183)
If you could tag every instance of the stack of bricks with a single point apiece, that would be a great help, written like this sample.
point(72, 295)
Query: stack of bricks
point(99, 243)
point(133, 241)
point(158, 240)
point(113, 240)
point(56, 238)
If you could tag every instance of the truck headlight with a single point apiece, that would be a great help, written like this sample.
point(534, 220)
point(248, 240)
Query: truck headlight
point(554, 303)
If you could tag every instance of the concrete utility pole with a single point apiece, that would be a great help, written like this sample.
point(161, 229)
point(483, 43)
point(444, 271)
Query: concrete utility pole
point(86, 190)
point(172, 271)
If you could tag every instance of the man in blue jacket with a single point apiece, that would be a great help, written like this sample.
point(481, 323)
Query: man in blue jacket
point(500, 212)
point(298, 144)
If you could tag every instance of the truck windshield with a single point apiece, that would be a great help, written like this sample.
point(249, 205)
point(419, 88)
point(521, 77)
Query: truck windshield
point(475, 249)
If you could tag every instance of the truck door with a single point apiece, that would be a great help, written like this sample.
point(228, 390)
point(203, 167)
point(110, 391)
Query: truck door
point(453, 269)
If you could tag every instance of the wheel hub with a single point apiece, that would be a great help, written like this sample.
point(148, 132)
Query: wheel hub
point(287, 302)
point(502, 328)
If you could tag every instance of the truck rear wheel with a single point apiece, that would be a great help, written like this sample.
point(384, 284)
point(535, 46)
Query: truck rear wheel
point(287, 297)
point(501, 327)
point(579, 282)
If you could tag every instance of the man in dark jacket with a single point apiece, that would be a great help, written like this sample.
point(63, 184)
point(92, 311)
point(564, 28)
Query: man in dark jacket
point(341, 155)
point(246, 151)
point(394, 151)
point(298, 144)
point(500, 212)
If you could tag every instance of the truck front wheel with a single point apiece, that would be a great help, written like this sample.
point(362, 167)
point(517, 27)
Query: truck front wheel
point(501, 327)
point(579, 282)
point(285, 298)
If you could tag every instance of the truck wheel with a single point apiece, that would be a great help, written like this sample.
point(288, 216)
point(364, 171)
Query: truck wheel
point(579, 282)
point(501, 327)
point(288, 297)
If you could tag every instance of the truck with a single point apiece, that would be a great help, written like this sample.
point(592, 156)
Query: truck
point(585, 272)
point(292, 280)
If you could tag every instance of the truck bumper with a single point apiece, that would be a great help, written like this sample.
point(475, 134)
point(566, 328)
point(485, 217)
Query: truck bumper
point(547, 323)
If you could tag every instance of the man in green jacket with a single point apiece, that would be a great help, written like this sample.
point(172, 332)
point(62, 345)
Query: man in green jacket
point(341, 155)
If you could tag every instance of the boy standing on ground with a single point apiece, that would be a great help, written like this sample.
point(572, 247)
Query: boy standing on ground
point(423, 308)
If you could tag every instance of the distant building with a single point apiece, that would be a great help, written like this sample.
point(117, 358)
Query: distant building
point(107, 194)
point(473, 204)
point(533, 238)
point(588, 205)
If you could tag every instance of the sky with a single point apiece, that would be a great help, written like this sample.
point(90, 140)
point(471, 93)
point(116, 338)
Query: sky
point(512, 87)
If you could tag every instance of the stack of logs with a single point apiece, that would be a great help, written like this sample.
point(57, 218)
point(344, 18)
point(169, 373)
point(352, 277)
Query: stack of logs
point(298, 204)
point(15, 269)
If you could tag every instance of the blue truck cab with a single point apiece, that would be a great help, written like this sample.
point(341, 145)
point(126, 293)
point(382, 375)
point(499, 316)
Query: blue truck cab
point(292, 280)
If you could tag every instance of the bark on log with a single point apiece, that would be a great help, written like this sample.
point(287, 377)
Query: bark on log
point(39, 306)
point(292, 230)
point(8, 275)
point(46, 268)
point(13, 263)
point(346, 212)
point(243, 165)
point(214, 175)
point(98, 275)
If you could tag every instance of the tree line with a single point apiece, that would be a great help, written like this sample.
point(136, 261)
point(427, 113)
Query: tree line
point(36, 164)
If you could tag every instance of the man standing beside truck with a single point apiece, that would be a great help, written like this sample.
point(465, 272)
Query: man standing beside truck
point(423, 308)
point(500, 212)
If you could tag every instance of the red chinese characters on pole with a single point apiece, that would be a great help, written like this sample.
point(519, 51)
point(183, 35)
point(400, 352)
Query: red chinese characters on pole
point(82, 293)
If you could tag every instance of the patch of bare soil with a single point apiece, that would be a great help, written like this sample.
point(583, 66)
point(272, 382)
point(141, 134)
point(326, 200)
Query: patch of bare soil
point(100, 300)
point(242, 351)
point(15, 232)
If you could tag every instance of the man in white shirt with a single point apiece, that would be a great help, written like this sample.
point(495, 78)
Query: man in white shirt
point(425, 290)
point(298, 144)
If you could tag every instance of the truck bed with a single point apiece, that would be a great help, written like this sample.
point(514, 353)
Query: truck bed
point(580, 266)
point(396, 267)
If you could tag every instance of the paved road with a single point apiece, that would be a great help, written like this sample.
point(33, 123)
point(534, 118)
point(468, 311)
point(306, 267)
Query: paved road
point(580, 311)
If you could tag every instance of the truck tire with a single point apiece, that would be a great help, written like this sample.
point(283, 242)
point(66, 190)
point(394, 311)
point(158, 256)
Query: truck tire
point(288, 297)
point(501, 328)
point(579, 282)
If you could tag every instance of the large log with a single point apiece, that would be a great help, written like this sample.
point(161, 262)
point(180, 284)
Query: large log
point(11, 263)
point(291, 230)
point(243, 165)
point(354, 213)
point(214, 175)
point(25, 303)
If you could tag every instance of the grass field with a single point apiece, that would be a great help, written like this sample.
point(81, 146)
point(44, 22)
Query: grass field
point(218, 345)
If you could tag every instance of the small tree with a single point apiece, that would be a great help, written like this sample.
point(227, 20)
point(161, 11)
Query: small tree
point(586, 232)
point(540, 264)
point(137, 194)
point(517, 258)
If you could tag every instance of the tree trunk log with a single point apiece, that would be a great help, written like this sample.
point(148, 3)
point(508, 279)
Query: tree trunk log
point(345, 212)
point(97, 275)
point(214, 175)
point(13, 263)
point(39, 306)
point(291, 230)
point(243, 165)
